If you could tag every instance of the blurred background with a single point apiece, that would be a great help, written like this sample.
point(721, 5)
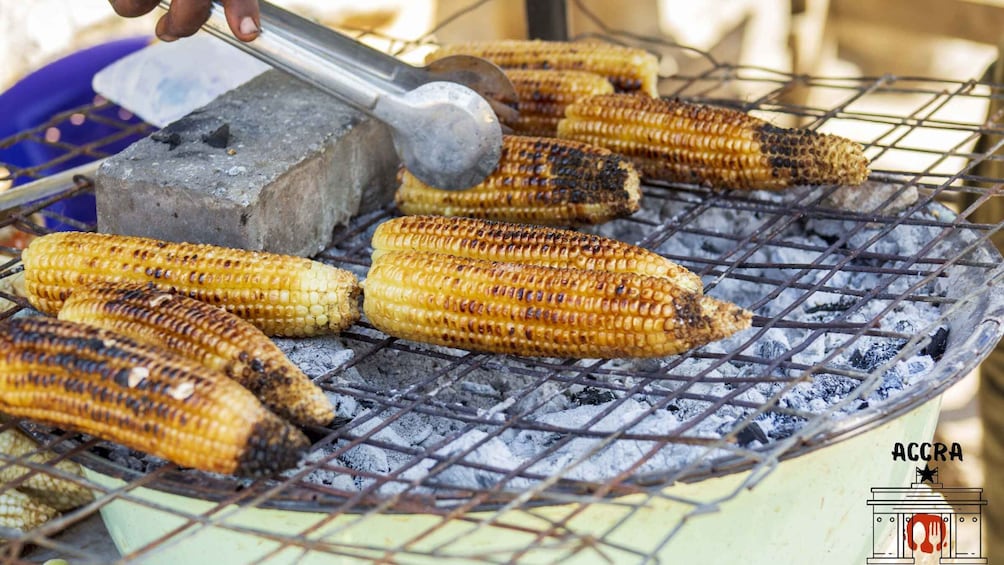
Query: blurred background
point(950, 39)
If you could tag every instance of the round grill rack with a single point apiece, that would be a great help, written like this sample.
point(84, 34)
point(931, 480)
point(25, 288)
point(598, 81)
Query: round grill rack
point(492, 436)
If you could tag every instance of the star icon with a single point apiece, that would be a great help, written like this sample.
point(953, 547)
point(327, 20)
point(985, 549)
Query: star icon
point(927, 474)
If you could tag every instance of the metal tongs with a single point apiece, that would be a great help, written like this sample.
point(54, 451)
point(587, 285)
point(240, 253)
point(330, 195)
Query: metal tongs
point(441, 117)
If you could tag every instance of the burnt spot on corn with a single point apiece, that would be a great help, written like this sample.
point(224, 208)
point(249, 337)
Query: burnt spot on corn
point(137, 395)
point(680, 141)
point(539, 181)
point(535, 310)
point(271, 447)
point(262, 287)
point(205, 335)
point(519, 243)
point(628, 69)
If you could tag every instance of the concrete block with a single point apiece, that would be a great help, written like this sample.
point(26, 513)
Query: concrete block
point(273, 165)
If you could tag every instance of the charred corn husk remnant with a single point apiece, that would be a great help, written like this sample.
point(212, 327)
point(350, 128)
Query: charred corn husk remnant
point(60, 494)
point(681, 141)
point(102, 383)
point(532, 245)
point(544, 94)
point(538, 181)
point(511, 308)
point(281, 295)
point(627, 68)
point(207, 335)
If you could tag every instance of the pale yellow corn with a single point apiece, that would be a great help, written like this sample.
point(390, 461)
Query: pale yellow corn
point(21, 512)
point(58, 493)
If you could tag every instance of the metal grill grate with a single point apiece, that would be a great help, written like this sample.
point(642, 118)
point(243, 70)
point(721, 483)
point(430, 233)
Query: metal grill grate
point(724, 409)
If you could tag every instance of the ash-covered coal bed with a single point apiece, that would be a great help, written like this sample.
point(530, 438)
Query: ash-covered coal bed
point(428, 419)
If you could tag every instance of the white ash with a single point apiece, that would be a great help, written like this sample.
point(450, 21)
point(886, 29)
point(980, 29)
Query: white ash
point(484, 415)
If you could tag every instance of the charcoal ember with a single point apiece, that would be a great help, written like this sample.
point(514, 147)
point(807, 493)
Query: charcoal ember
point(219, 138)
point(874, 356)
point(839, 305)
point(592, 396)
point(750, 433)
point(784, 426)
point(935, 349)
point(171, 139)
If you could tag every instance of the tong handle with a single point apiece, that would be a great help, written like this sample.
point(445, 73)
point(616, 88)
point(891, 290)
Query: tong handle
point(281, 45)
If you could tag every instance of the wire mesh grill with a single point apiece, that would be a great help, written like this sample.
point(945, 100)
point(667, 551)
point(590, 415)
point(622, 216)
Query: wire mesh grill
point(459, 437)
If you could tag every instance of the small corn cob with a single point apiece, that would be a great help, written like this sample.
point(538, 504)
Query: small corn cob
point(101, 383)
point(538, 181)
point(52, 491)
point(685, 142)
point(627, 68)
point(544, 94)
point(279, 294)
point(21, 512)
point(531, 310)
point(207, 335)
point(532, 245)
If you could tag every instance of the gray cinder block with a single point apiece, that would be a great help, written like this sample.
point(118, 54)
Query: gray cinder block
point(272, 165)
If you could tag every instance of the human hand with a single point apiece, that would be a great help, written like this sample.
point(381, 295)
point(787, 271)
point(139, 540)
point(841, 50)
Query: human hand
point(186, 16)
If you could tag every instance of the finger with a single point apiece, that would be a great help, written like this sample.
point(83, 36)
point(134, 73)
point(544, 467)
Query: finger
point(183, 19)
point(132, 8)
point(243, 18)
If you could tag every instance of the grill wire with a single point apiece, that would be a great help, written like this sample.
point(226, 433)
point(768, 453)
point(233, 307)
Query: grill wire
point(941, 161)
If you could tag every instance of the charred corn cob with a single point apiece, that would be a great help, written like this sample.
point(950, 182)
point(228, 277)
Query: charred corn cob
point(207, 335)
point(544, 94)
point(685, 142)
point(532, 245)
point(102, 383)
point(48, 489)
point(21, 512)
point(627, 68)
point(281, 295)
point(509, 308)
point(538, 181)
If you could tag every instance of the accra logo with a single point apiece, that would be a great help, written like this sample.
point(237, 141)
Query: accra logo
point(915, 524)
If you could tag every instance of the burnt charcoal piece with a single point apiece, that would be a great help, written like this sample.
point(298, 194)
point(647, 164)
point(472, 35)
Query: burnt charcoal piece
point(838, 306)
point(750, 433)
point(172, 139)
point(785, 425)
point(939, 343)
point(218, 138)
point(592, 396)
point(874, 356)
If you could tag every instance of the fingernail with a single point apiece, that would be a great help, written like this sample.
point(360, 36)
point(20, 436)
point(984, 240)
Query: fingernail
point(248, 27)
point(167, 37)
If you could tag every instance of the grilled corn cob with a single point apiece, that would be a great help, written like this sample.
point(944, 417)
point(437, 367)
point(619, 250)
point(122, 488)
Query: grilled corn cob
point(281, 295)
point(627, 68)
point(47, 489)
point(532, 245)
point(538, 181)
point(544, 94)
point(207, 335)
point(102, 383)
point(685, 142)
point(21, 512)
point(531, 310)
